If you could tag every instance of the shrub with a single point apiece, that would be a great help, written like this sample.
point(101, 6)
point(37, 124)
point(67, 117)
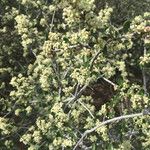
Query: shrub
point(67, 66)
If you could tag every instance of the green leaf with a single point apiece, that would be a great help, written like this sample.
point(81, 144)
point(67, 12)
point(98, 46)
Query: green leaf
point(110, 147)
point(126, 26)
point(94, 146)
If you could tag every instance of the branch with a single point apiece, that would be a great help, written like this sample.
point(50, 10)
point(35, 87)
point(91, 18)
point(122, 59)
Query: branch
point(57, 73)
point(12, 109)
point(97, 54)
point(76, 90)
point(77, 95)
point(110, 82)
point(52, 22)
point(66, 73)
point(94, 58)
point(107, 122)
point(144, 76)
point(86, 108)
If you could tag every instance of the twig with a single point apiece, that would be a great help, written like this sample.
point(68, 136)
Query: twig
point(77, 88)
point(86, 108)
point(113, 84)
point(97, 54)
point(144, 81)
point(60, 91)
point(3, 138)
point(56, 71)
point(144, 76)
point(79, 45)
point(66, 72)
point(107, 122)
point(52, 21)
point(13, 107)
point(78, 94)
point(74, 46)
point(94, 58)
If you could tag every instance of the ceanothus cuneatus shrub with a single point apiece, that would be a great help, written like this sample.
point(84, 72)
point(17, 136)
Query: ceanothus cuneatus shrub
point(66, 66)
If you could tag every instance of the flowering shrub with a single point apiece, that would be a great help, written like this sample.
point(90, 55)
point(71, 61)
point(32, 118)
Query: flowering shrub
point(66, 67)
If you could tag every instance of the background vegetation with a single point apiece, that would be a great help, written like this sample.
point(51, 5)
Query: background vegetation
point(66, 66)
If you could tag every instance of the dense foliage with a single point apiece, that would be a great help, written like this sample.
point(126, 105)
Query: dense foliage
point(67, 66)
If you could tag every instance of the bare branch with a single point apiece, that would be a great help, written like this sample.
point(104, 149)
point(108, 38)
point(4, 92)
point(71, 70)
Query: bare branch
point(77, 88)
point(86, 108)
point(144, 76)
point(107, 122)
point(66, 73)
point(78, 94)
point(79, 46)
point(52, 22)
point(94, 58)
point(57, 73)
point(110, 82)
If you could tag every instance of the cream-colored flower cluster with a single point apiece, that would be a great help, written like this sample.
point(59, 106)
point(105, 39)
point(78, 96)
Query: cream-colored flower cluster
point(60, 116)
point(102, 131)
point(51, 44)
point(108, 70)
point(5, 128)
point(79, 37)
point(140, 23)
point(104, 16)
point(81, 75)
point(23, 25)
point(45, 79)
point(85, 5)
point(145, 59)
point(70, 15)
point(62, 142)
point(34, 3)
